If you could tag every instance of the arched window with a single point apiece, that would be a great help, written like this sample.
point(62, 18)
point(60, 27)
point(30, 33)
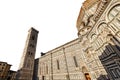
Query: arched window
point(101, 27)
point(114, 19)
point(93, 37)
point(114, 12)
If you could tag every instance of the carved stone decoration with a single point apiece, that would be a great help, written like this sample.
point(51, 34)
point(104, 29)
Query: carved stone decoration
point(102, 31)
point(101, 7)
point(93, 37)
point(84, 15)
point(90, 21)
point(100, 27)
point(113, 18)
point(84, 69)
point(114, 11)
point(81, 26)
point(88, 52)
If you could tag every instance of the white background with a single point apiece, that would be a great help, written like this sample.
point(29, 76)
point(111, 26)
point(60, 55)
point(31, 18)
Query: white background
point(54, 19)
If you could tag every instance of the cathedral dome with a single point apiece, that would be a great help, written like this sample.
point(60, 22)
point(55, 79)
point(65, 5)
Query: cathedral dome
point(86, 5)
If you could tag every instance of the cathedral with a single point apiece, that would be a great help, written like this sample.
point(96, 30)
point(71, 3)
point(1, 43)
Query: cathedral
point(94, 55)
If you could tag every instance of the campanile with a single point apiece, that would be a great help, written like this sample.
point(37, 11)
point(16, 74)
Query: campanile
point(26, 66)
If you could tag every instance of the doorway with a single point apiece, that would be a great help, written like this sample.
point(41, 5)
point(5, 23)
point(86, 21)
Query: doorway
point(87, 76)
point(43, 77)
point(86, 73)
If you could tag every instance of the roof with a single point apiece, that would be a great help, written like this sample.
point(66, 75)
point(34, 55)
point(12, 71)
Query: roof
point(5, 63)
point(33, 29)
point(61, 46)
point(88, 3)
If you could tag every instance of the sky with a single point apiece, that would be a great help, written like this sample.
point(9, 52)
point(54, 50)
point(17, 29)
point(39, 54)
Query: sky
point(54, 19)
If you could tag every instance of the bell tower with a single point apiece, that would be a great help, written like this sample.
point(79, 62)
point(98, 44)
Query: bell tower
point(26, 66)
